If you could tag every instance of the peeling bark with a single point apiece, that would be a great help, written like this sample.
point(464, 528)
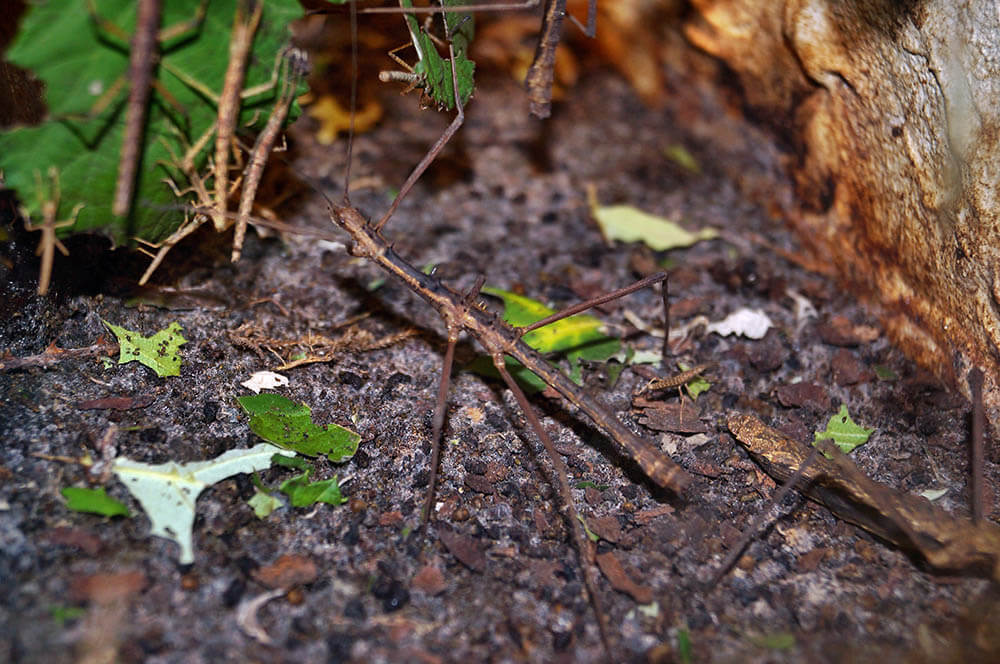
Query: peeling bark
point(893, 111)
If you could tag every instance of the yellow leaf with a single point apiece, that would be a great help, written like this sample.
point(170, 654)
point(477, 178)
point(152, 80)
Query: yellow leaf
point(629, 224)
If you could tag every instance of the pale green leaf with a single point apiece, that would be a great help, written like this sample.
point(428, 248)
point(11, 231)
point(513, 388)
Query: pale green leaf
point(160, 352)
point(682, 157)
point(626, 223)
point(263, 504)
point(168, 491)
point(288, 424)
point(93, 501)
point(776, 641)
point(844, 432)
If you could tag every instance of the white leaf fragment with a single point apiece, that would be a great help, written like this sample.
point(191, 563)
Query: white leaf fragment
point(264, 380)
point(750, 323)
point(168, 491)
point(933, 494)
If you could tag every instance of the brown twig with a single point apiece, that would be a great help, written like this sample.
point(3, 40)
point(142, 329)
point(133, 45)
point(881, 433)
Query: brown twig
point(142, 61)
point(295, 69)
point(244, 28)
point(538, 82)
point(53, 355)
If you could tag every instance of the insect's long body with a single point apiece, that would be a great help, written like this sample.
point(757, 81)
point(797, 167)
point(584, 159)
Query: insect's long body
point(499, 339)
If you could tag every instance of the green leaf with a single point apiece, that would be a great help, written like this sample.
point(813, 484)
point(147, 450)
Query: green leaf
point(684, 649)
point(63, 614)
point(885, 373)
point(303, 493)
point(288, 424)
point(263, 504)
point(296, 462)
point(844, 432)
point(777, 641)
point(591, 535)
point(587, 484)
point(78, 62)
point(168, 491)
point(160, 352)
point(93, 501)
point(435, 69)
point(682, 157)
point(629, 224)
point(696, 385)
point(579, 337)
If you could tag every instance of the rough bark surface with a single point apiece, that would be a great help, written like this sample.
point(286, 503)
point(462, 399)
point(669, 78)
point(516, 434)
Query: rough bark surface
point(891, 109)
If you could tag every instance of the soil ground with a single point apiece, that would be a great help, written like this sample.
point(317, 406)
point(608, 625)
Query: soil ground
point(506, 201)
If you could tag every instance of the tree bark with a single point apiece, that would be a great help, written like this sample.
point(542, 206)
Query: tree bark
point(893, 109)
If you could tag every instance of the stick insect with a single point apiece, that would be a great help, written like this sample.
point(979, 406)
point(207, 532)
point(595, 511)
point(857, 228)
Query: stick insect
point(462, 313)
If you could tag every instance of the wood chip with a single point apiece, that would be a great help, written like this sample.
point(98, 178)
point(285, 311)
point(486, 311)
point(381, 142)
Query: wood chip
point(468, 550)
point(289, 570)
point(645, 516)
point(116, 403)
point(620, 580)
point(430, 580)
point(804, 395)
point(106, 588)
point(605, 527)
point(479, 483)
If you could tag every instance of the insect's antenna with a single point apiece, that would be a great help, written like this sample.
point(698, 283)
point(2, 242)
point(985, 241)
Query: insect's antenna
point(354, 101)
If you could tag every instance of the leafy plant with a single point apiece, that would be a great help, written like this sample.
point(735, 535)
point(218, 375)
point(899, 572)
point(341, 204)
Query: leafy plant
point(83, 65)
point(93, 501)
point(288, 424)
point(160, 352)
point(168, 491)
point(844, 432)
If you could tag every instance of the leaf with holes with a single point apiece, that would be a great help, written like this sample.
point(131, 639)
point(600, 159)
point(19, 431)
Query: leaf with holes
point(288, 424)
point(160, 352)
point(168, 491)
point(844, 432)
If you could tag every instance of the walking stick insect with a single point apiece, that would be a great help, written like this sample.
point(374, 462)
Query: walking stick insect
point(462, 313)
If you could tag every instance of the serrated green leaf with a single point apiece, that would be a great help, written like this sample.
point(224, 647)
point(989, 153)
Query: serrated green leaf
point(65, 48)
point(288, 424)
point(303, 493)
point(168, 491)
point(93, 501)
point(626, 223)
point(845, 434)
point(160, 352)
point(263, 504)
point(436, 69)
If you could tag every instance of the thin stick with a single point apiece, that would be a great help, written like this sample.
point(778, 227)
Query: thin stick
point(975, 379)
point(229, 101)
point(142, 59)
point(438, 424)
point(758, 521)
point(539, 79)
point(354, 100)
point(262, 149)
point(594, 302)
point(573, 519)
point(497, 337)
point(435, 149)
point(591, 28)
